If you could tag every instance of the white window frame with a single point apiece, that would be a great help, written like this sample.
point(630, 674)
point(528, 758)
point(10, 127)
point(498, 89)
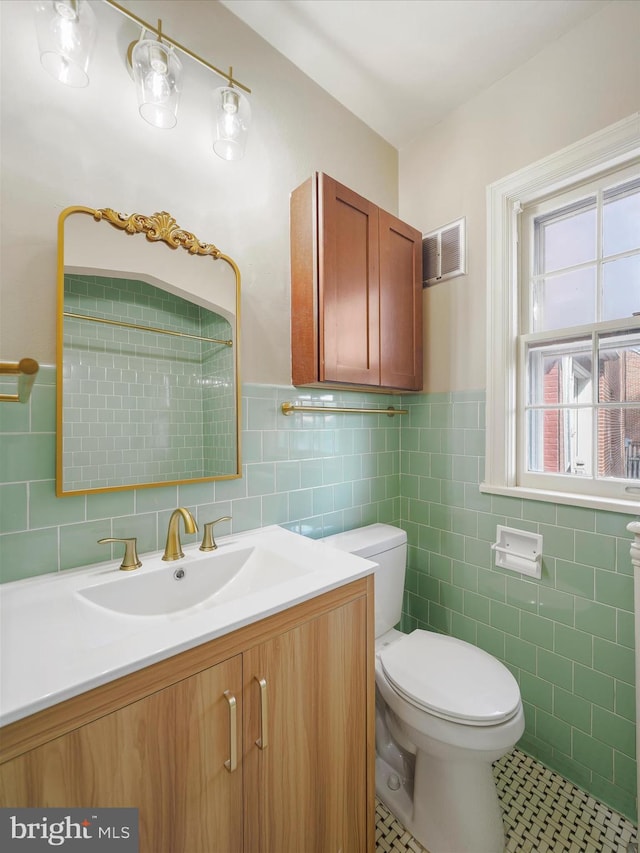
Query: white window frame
point(614, 147)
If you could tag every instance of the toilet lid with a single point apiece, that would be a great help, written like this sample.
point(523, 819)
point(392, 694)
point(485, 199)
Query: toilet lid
point(450, 678)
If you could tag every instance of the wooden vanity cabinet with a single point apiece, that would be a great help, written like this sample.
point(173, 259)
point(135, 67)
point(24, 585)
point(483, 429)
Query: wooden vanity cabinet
point(356, 291)
point(311, 775)
point(302, 685)
point(163, 754)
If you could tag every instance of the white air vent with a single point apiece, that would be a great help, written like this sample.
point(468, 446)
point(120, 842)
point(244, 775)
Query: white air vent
point(444, 253)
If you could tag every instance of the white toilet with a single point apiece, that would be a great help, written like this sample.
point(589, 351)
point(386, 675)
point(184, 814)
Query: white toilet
point(445, 711)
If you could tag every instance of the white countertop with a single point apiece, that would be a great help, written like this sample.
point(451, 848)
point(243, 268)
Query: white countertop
point(55, 645)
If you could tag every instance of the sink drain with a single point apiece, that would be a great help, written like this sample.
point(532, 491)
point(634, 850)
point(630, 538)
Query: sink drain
point(178, 574)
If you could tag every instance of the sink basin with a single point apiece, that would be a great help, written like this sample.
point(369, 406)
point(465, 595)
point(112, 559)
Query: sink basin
point(64, 633)
point(200, 581)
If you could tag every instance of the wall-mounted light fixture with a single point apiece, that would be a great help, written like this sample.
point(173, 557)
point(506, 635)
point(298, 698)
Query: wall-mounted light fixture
point(66, 32)
point(157, 72)
point(233, 117)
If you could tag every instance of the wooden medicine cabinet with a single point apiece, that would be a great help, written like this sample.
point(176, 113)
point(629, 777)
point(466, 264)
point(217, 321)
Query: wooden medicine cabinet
point(356, 291)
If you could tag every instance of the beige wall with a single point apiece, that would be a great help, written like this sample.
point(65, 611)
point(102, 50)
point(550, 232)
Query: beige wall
point(581, 83)
point(63, 146)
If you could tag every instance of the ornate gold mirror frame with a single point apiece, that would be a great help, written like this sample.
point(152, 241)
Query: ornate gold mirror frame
point(148, 390)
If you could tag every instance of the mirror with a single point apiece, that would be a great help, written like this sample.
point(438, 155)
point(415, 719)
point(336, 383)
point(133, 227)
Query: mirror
point(148, 386)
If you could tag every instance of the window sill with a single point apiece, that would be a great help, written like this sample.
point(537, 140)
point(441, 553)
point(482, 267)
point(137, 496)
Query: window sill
point(629, 507)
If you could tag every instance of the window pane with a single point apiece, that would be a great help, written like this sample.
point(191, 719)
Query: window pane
point(567, 237)
point(559, 441)
point(619, 368)
point(621, 288)
point(565, 300)
point(561, 374)
point(621, 219)
point(619, 442)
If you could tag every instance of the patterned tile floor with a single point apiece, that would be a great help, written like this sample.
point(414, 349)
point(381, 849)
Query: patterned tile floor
point(543, 813)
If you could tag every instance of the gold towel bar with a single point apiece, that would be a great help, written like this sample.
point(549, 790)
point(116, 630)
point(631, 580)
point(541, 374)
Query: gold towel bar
point(26, 370)
point(291, 409)
point(145, 328)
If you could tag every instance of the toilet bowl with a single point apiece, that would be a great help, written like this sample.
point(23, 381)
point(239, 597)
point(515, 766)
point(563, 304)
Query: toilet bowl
point(445, 711)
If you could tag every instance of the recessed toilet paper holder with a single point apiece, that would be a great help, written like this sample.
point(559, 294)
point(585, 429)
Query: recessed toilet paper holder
point(518, 550)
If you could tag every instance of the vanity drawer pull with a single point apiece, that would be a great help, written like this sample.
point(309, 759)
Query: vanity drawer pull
point(262, 743)
point(232, 762)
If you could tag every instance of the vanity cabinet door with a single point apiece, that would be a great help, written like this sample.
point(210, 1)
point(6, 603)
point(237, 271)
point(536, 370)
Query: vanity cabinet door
point(306, 788)
point(164, 754)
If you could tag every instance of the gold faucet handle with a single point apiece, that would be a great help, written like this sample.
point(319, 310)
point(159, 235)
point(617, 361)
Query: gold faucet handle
point(208, 542)
point(130, 560)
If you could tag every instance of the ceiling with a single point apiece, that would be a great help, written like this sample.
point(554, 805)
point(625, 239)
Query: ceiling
point(402, 65)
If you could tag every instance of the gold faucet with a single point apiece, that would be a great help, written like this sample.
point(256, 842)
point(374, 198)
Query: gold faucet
point(208, 542)
point(173, 548)
point(130, 560)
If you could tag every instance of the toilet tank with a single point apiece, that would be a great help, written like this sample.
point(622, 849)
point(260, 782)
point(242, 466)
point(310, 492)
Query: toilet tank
point(385, 545)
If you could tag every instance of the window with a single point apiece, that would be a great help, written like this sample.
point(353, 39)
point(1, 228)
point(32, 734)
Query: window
point(564, 326)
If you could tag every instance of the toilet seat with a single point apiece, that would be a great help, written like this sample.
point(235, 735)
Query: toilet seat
point(450, 678)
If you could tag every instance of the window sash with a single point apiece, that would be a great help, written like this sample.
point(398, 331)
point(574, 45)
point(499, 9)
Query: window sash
point(532, 445)
point(616, 146)
point(594, 194)
point(571, 341)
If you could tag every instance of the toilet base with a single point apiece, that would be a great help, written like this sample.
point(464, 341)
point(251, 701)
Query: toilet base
point(397, 800)
point(455, 807)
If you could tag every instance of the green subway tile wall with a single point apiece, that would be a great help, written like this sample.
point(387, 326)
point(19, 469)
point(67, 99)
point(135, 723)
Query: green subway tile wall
point(138, 403)
point(568, 638)
point(316, 474)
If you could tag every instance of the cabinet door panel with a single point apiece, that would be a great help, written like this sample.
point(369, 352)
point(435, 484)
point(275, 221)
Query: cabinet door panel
point(164, 755)
point(307, 791)
point(400, 304)
point(348, 286)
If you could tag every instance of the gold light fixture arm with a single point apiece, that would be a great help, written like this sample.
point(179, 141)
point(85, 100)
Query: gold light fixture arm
point(162, 36)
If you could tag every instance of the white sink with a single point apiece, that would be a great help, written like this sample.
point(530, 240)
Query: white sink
point(67, 632)
point(183, 584)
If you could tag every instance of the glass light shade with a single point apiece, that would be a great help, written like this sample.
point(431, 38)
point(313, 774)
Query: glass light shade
point(157, 72)
point(66, 31)
point(232, 114)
